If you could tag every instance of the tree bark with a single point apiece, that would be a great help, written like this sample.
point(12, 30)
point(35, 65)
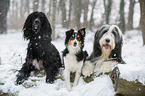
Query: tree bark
point(92, 14)
point(27, 9)
point(122, 18)
point(142, 8)
point(22, 9)
point(107, 6)
point(54, 18)
point(43, 5)
point(63, 12)
point(76, 14)
point(85, 4)
point(130, 15)
point(69, 14)
point(4, 6)
point(35, 5)
point(124, 87)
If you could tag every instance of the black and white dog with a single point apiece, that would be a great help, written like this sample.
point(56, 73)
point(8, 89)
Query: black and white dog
point(106, 50)
point(41, 53)
point(73, 55)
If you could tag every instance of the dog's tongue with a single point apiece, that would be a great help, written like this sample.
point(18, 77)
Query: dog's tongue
point(107, 47)
point(36, 26)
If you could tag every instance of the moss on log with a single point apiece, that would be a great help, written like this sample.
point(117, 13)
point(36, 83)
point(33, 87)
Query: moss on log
point(124, 87)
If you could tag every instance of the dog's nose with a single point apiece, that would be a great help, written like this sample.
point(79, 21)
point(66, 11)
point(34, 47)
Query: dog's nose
point(75, 43)
point(107, 40)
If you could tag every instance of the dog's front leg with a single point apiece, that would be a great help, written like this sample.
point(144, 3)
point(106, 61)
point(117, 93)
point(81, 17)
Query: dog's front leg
point(67, 79)
point(77, 76)
point(88, 68)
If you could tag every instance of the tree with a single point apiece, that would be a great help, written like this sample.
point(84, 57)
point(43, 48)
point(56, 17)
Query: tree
point(35, 5)
point(130, 15)
point(122, 18)
point(43, 5)
point(22, 8)
point(92, 14)
point(85, 5)
point(107, 6)
point(4, 6)
point(63, 13)
point(142, 8)
point(76, 14)
point(70, 12)
point(54, 18)
point(27, 9)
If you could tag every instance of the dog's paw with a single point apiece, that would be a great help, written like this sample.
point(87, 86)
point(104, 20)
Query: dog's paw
point(88, 69)
point(19, 81)
point(49, 80)
point(87, 72)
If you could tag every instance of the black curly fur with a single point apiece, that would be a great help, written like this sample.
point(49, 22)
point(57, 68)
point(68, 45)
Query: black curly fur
point(39, 48)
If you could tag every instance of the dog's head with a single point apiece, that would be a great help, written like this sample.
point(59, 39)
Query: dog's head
point(37, 23)
point(75, 39)
point(108, 41)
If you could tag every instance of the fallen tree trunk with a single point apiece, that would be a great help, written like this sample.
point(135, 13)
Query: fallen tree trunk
point(124, 87)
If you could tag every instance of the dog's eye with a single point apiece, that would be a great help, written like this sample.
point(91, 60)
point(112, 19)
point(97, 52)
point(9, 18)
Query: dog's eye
point(72, 38)
point(72, 35)
point(78, 36)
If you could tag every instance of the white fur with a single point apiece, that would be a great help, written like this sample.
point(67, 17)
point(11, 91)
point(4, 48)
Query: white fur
point(72, 65)
point(104, 66)
point(38, 64)
point(88, 68)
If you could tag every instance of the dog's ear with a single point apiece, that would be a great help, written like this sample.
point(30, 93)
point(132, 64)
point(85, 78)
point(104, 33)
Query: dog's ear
point(27, 29)
point(97, 48)
point(69, 32)
point(45, 24)
point(117, 51)
point(82, 32)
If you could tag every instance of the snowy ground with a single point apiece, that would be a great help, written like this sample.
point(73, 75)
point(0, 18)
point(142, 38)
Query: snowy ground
point(13, 53)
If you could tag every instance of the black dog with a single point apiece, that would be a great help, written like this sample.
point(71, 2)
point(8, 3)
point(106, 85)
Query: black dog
point(41, 53)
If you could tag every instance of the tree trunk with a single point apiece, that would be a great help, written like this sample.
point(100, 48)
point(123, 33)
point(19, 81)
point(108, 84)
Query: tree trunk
point(124, 87)
point(4, 6)
point(85, 4)
point(107, 6)
point(21, 8)
point(130, 15)
point(53, 18)
point(63, 12)
point(122, 18)
point(142, 8)
point(27, 9)
point(13, 5)
point(92, 14)
point(76, 14)
point(50, 8)
point(69, 14)
point(43, 5)
point(35, 5)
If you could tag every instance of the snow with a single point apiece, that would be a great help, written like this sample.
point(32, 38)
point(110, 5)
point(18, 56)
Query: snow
point(13, 53)
point(134, 53)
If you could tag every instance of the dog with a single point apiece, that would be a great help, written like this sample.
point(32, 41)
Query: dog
point(106, 51)
point(73, 55)
point(41, 53)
